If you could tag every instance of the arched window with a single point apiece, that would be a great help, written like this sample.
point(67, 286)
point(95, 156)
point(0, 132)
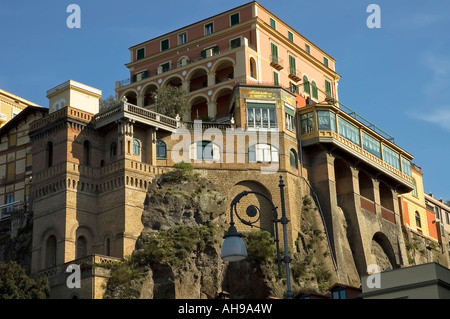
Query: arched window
point(253, 68)
point(136, 147)
point(81, 247)
point(418, 222)
point(293, 158)
point(306, 85)
point(315, 93)
point(86, 153)
point(113, 149)
point(161, 149)
point(107, 246)
point(49, 150)
point(263, 153)
point(50, 252)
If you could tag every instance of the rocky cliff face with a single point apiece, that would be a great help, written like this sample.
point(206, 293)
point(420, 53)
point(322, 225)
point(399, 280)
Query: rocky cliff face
point(178, 252)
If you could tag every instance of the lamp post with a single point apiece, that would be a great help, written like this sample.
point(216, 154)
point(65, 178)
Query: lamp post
point(233, 248)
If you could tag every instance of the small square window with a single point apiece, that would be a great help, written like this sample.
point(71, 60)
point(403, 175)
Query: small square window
point(140, 54)
point(272, 23)
point(209, 28)
point(307, 48)
point(234, 19)
point(290, 36)
point(182, 38)
point(164, 45)
point(325, 61)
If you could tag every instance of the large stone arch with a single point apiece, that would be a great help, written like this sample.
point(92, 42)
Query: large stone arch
point(197, 78)
point(199, 106)
point(222, 98)
point(174, 80)
point(147, 91)
point(265, 216)
point(223, 69)
point(383, 252)
point(131, 95)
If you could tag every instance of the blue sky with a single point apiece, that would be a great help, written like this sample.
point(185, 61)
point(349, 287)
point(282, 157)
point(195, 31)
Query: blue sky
point(397, 76)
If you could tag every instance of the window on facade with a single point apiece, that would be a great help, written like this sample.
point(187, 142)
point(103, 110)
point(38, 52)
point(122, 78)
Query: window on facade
point(49, 151)
point(306, 85)
point(293, 88)
point(205, 150)
point(436, 212)
point(161, 150)
point(12, 139)
point(328, 88)
point(290, 124)
point(262, 153)
point(274, 52)
point(50, 252)
point(293, 158)
point(339, 294)
point(235, 43)
point(209, 28)
point(9, 202)
point(81, 247)
point(414, 191)
point(315, 92)
point(234, 19)
point(113, 149)
point(272, 23)
point(348, 131)
point(107, 246)
point(371, 145)
point(276, 81)
point(253, 68)
point(164, 45)
point(326, 121)
point(140, 54)
point(307, 49)
point(10, 172)
point(406, 167)
point(182, 38)
point(307, 122)
point(27, 193)
point(164, 67)
point(28, 162)
point(261, 115)
point(391, 157)
point(86, 153)
point(325, 61)
point(447, 218)
point(292, 66)
point(418, 222)
point(136, 147)
point(290, 36)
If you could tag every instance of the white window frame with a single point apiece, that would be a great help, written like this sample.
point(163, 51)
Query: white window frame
point(185, 35)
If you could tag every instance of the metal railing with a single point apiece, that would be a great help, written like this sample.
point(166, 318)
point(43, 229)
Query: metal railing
point(10, 210)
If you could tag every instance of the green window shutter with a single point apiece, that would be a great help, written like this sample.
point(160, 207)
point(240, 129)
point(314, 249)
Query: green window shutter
point(292, 67)
point(274, 50)
point(306, 85)
point(325, 61)
point(272, 23)
point(260, 105)
point(275, 78)
point(289, 111)
point(315, 93)
point(328, 88)
point(290, 36)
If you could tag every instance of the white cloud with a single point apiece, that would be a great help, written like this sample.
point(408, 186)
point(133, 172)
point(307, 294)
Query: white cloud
point(440, 117)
